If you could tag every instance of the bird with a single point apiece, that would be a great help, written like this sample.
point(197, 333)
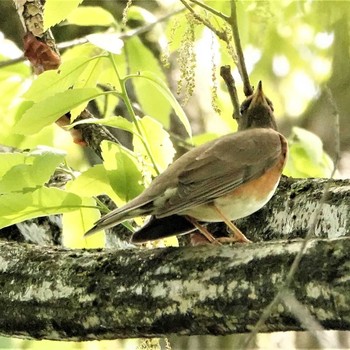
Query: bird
point(223, 180)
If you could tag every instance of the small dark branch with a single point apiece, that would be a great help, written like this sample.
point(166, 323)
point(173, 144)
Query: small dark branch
point(239, 51)
point(225, 72)
point(11, 62)
point(93, 134)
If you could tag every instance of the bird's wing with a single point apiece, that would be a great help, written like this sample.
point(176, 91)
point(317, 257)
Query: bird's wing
point(229, 162)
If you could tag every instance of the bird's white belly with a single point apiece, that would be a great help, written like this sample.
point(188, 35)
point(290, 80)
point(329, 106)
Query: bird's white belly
point(232, 208)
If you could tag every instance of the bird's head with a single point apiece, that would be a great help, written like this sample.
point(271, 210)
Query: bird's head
point(257, 111)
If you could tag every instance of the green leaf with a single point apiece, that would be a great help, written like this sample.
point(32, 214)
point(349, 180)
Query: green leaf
point(55, 11)
point(17, 207)
point(92, 182)
point(46, 112)
point(158, 141)
point(141, 60)
point(45, 163)
point(71, 73)
point(9, 160)
point(77, 222)
point(91, 73)
point(306, 155)
point(122, 171)
point(115, 122)
point(91, 16)
point(21, 171)
point(162, 87)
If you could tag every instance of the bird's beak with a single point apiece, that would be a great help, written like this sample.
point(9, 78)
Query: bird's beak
point(258, 96)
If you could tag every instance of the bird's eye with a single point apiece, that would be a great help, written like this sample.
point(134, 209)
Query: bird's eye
point(244, 106)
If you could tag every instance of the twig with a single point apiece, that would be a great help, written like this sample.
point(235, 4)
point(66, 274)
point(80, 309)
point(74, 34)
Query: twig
point(211, 10)
point(220, 34)
point(225, 72)
point(12, 61)
point(295, 265)
point(239, 51)
point(307, 320)
point(232, 21)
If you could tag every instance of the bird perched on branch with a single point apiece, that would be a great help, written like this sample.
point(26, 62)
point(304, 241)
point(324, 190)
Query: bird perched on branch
point(223, 180)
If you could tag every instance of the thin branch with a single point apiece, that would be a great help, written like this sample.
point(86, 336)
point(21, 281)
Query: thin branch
point(232, 21)
point(211, 10)
point(12, 61)
point(221, 35)
point(239, 51)
point(225, 72)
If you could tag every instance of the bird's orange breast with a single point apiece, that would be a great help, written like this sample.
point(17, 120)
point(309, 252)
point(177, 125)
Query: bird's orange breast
point(245, 199)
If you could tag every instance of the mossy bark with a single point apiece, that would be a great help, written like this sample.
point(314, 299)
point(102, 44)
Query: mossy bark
point(62, 294)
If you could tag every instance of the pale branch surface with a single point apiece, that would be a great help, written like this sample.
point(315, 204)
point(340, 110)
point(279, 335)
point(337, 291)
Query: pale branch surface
point(289, 213)
point(79, 295)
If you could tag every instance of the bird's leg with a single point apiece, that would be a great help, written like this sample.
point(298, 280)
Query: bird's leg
point(238, 236)
point(202, 230)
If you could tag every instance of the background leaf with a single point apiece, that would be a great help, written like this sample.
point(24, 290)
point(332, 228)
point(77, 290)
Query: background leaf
point(76, 223)
point(110, 42)
point(162, 87)
point(122, 171)
point(115, 122)
point(47, 111)
point(307, 157)
point(91, 16)
point(161, 147)
point(23, 171)
point(52, 82)
point(17, 207)
point(92, 182)
point(55, 11)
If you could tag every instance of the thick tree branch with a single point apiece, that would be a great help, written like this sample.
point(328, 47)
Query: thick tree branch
point(78, 295)
point(288, 214)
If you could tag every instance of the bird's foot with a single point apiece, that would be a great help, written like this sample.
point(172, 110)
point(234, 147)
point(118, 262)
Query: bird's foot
point(234, 239)
point(198, 238)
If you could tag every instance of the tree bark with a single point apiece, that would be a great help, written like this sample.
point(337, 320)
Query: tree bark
point(55, 293)
point(79, 295)
point(290, 212)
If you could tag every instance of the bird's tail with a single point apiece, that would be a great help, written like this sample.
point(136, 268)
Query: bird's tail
point(119, 215)
point(157, 228)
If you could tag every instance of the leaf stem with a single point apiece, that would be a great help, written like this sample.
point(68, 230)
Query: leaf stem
point(124, 95)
